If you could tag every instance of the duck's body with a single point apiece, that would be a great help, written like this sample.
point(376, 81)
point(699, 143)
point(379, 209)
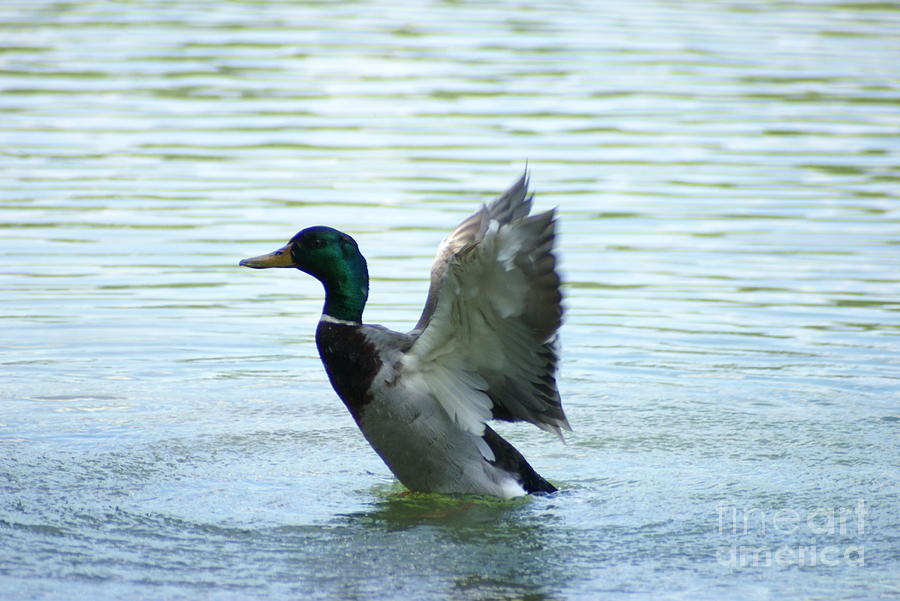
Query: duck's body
point(484, 347)
point(407, 426)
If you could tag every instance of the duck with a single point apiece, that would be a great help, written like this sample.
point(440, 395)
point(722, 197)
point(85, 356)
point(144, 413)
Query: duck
point(485, 348)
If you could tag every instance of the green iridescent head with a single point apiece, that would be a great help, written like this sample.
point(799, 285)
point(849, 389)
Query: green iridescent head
point(333, 258)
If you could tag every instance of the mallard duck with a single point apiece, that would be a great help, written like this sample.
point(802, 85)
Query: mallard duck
point(484, 347)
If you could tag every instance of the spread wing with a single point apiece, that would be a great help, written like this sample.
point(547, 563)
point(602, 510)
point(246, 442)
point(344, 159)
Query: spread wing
point(485, 345)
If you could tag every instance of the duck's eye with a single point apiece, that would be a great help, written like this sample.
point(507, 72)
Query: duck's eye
point(314, 243)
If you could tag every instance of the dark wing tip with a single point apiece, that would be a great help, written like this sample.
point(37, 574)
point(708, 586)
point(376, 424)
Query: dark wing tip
point(514, 203)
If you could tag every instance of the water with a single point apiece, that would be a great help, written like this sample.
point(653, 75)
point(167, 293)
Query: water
point(727, 179)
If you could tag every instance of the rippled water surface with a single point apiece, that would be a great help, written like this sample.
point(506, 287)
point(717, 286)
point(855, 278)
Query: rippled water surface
point(727, 178)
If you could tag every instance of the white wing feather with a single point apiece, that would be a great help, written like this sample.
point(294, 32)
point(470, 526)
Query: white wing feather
point(485, 345)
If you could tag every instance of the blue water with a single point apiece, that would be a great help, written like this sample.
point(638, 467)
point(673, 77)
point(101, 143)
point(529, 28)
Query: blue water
point(726, 175)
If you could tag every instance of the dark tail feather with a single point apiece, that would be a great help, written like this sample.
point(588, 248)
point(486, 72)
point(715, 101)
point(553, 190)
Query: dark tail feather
point(507, 458)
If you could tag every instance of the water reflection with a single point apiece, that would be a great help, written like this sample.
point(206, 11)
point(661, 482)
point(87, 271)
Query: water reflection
point(465, 545)
point(399, 510)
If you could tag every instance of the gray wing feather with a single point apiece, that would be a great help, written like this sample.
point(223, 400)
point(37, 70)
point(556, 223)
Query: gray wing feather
point(513, 204)
point(521, 382)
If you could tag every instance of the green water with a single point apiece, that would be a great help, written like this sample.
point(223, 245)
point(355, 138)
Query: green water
point(727, 181)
